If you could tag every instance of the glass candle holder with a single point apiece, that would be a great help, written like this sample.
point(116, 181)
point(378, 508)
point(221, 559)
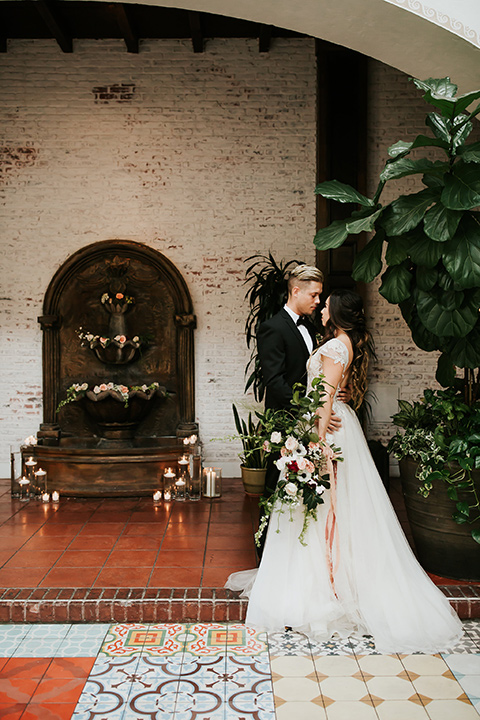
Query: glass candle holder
point(157, 497)
point(195, 467)
point(169, 484)
point(24, 485)
point(15, 462)
point(181, 489)
point(41, 480)
point(212, 482)
point(55, 496)
point(30, 466)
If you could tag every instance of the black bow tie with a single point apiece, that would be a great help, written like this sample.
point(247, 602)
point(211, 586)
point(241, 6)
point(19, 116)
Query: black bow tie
point(302, 320)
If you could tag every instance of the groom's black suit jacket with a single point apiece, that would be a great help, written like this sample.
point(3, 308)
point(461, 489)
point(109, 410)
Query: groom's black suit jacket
point(283, 357)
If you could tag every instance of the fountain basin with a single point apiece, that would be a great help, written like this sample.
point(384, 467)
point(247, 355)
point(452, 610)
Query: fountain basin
point(98, 467)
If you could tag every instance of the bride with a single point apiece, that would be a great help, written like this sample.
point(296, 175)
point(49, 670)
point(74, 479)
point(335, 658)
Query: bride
point(376, 585)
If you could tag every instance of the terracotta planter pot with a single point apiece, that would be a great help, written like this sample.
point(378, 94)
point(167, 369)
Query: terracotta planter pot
point(253, 480)
point(443, 547)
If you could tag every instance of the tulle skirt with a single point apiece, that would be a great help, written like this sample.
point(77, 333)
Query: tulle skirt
point(378, 586)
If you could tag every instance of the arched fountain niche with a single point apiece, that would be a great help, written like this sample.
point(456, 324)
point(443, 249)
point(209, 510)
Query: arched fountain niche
point(117, 315)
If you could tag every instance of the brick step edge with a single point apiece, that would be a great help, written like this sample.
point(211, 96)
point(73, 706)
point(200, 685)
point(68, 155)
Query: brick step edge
point(111, 605)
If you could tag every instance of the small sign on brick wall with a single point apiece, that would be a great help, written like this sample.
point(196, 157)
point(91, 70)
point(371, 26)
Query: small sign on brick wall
point(119, 92)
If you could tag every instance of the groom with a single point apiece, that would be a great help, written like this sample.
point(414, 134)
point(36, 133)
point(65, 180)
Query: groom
point(284, 345)
point(286, 341)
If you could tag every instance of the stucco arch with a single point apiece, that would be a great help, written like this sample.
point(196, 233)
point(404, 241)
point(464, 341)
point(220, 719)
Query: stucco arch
point(375, 28)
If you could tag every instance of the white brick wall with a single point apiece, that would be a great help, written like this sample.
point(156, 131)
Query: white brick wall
point(212, 160)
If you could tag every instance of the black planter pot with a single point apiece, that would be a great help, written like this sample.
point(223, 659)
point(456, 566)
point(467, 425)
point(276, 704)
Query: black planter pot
point(443, 547)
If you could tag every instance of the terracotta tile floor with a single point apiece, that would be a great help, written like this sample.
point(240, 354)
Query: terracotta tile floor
point(126, 542)
point(176, 556)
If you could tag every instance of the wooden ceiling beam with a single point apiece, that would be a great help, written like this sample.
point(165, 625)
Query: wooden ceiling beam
point(264, 38)
point(54, 24)
point(195, 21)
point(126, 27)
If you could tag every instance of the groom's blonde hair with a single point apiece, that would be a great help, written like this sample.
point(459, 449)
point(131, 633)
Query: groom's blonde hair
point(304, 274)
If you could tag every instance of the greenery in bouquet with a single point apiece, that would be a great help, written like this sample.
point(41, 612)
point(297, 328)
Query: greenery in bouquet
point(304, 460)
point(442, 433)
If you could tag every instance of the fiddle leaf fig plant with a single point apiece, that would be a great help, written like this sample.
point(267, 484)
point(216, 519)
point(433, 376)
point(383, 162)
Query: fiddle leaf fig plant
point(431, 237)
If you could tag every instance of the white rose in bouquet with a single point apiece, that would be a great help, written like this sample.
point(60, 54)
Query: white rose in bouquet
point(291, 489)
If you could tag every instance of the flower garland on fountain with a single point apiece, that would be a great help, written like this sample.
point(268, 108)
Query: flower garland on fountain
point(117, 409)
point(77, 391)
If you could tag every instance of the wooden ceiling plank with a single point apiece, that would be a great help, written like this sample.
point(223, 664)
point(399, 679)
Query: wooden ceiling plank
point(264, 38)
point(194, 19)
point(54, 24)
point(126, 28)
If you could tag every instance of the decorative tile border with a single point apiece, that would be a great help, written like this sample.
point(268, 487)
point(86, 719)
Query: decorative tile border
point(111, 605)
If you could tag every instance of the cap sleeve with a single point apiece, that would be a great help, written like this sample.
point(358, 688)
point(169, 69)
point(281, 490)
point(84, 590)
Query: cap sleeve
point(336, 350)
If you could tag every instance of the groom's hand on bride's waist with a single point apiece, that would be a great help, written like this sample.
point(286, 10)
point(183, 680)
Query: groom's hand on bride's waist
point(334, 424)
point(345, 394)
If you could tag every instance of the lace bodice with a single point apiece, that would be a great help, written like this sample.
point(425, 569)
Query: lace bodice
point(335, 349)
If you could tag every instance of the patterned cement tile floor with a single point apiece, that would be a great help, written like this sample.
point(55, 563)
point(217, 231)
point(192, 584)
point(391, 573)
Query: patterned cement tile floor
point(226, 672)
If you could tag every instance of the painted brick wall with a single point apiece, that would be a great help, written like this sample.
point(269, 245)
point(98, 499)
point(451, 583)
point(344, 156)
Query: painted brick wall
point(208, 158)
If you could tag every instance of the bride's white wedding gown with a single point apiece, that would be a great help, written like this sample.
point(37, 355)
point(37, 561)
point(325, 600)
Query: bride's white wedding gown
point(379, 587)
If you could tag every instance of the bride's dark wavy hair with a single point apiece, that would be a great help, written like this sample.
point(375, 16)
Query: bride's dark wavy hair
point(347, 314)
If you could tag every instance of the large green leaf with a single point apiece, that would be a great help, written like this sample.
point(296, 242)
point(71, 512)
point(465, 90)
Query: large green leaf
point(438, 87)
point(462, 187)
point(424, 251)
point(335, 190)
point(440, 223)
point(441, 94)
point(471, 153)
point(445, 280)
point(456, 322)
point(368, 262)
point(422, 337)
point(396, 284)
point(363, 224)
point(404, 166)
point(332, 236)
point(433, 181)
point(397, 249)
point(465, 351)
point(441, 127)
point(426, 278)
point(452, 300)
point(463, 101)
point(405, 213)
point(462, 254)
point(402, 148)
point(445, 374)
point(461, 130)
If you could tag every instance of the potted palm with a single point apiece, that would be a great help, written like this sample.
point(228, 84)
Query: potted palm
point(253, 458)
point(266, 295)
point(429, 242)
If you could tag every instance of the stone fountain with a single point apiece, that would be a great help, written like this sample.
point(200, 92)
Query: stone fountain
point(118, 371)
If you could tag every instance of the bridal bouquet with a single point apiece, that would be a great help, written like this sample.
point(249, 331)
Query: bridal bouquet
point(306, 463)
